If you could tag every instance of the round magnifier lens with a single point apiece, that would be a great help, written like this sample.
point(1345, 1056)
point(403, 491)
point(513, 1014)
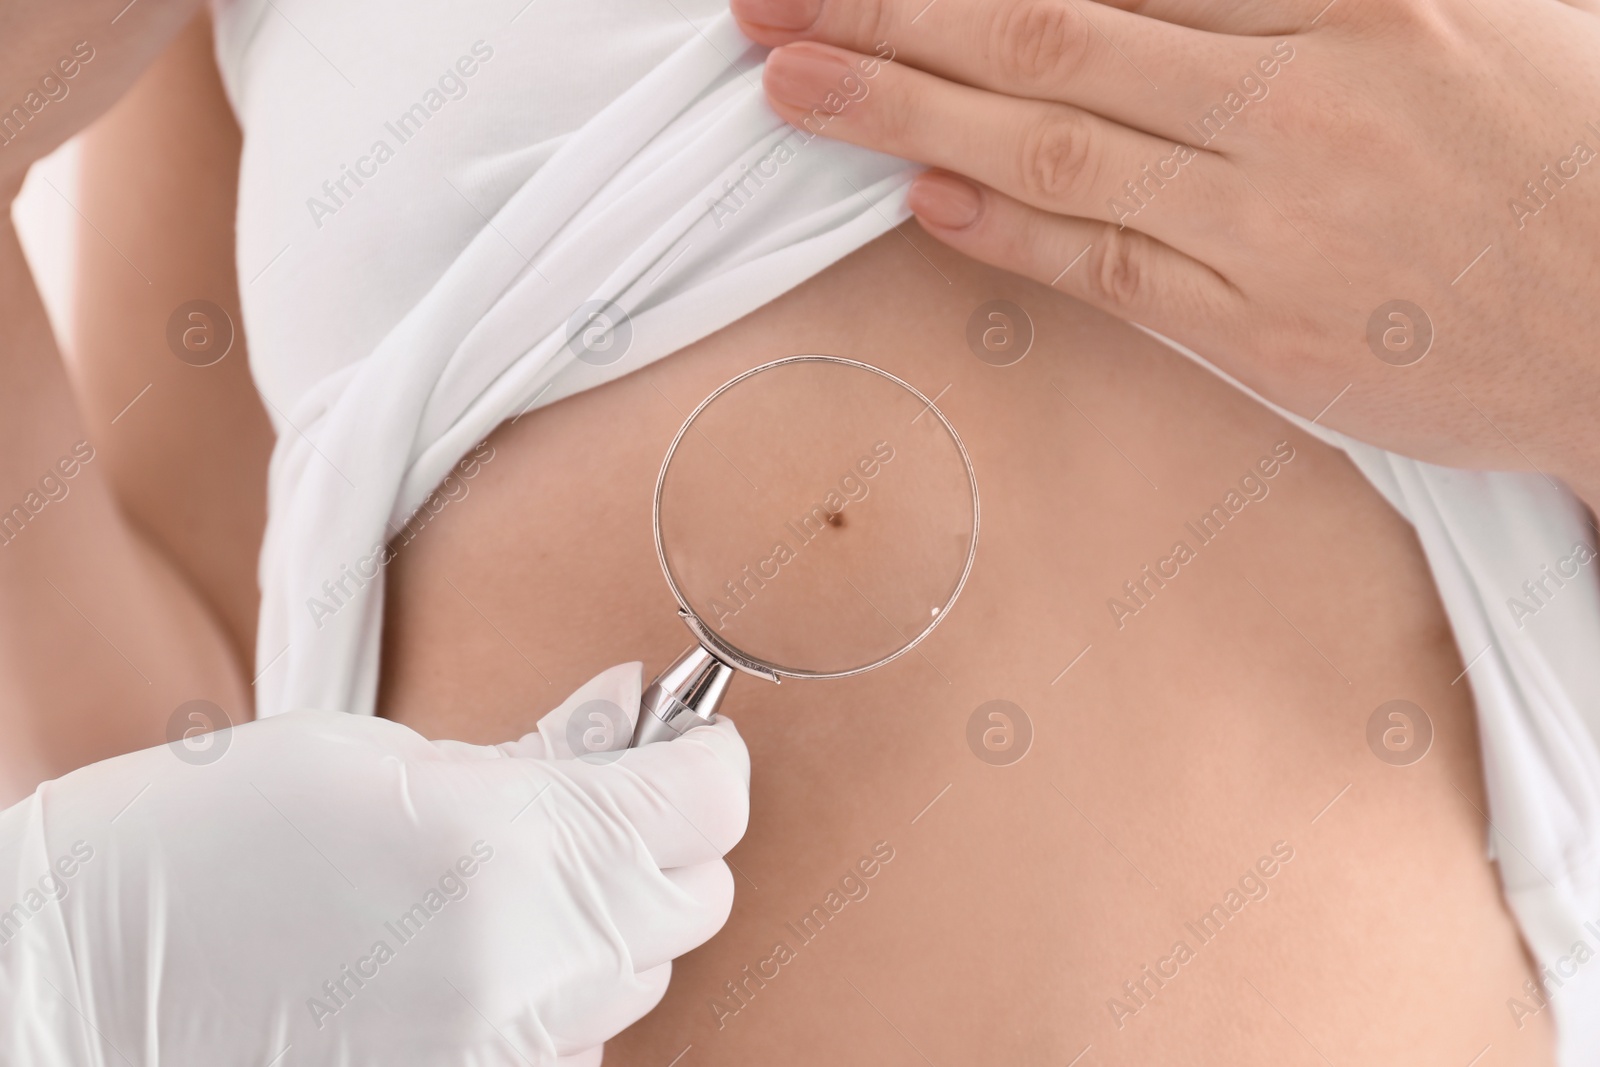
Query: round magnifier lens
point(818, 515)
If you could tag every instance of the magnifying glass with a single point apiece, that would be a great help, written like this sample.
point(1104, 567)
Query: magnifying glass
point(815, 517)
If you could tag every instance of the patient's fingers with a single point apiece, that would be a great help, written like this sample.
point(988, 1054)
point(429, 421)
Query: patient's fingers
point(1110, 61)
point(1053, 156)
point(1121, 271)
point(1258, 18)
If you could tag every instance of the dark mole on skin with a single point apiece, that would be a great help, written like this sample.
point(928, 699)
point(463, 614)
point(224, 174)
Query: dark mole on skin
point(835, 518)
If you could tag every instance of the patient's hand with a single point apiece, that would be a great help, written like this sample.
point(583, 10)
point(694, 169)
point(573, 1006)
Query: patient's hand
point(1382, 212)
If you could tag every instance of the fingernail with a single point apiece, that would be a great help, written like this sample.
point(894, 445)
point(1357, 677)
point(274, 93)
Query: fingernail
point(802, 75)
point(778, 14)
point(946, 201)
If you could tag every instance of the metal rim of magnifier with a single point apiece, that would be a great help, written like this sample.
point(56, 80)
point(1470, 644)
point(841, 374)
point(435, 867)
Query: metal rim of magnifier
point(762, 668)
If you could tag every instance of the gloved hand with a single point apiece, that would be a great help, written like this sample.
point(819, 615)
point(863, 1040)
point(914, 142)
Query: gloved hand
point(336, 889)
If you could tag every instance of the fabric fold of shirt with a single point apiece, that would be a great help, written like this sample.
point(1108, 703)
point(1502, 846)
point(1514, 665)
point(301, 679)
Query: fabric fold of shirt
point(682, 206)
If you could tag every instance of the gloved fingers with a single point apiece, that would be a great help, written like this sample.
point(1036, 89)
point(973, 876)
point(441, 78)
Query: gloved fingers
point(704, 897)
point(465, 750)
point(587, 1058)
point(655, 980)
point(604, 1019)
point(597, 717)
point(688, 799)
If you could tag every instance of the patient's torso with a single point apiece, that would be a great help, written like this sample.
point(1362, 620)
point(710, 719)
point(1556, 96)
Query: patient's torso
point(1175, 843)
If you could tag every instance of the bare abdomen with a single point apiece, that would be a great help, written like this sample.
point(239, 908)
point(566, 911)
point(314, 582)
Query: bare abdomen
point(1211, 729)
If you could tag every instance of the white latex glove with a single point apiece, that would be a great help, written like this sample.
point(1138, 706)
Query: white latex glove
point(335, 889)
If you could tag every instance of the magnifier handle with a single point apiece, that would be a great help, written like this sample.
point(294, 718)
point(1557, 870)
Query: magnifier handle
point(683, 696)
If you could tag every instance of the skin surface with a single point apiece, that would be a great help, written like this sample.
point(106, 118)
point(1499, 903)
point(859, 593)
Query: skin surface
point(1435, 151)
point(161, 170)
point(1174, 754)
point(105, 631)
point(1220, 720)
